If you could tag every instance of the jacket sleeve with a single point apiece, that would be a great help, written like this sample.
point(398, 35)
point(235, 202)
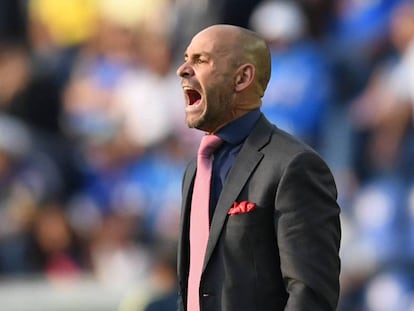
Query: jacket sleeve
point(308, 233)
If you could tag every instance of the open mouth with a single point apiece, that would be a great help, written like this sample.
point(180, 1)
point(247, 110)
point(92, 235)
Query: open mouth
point(193, 96)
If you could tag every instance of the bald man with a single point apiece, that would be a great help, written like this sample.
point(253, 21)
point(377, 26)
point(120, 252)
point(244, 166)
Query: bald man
point(274, 229)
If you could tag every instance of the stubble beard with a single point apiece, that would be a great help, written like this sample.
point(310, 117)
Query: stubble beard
point(214, 115)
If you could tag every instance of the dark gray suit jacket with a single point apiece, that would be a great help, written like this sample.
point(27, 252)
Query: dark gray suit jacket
point(284, 254)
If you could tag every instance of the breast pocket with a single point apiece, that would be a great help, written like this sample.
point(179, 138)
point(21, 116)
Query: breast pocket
point(256, 217)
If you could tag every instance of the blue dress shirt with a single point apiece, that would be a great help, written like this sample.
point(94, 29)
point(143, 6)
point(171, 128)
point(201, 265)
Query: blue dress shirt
point(233, 135)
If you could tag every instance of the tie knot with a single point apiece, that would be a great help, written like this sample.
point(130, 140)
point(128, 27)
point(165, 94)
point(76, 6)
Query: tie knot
point(209, 143)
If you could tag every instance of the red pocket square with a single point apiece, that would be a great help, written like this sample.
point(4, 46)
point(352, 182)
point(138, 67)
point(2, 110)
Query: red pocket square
point(242, 207)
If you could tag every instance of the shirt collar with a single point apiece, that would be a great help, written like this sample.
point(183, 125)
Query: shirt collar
point(236, 131)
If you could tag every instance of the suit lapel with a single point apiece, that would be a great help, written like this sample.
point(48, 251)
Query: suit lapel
point(183, 247)
point(187, 185)
point(245, 164)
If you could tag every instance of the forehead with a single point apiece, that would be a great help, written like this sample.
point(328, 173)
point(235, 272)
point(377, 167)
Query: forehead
point(211, 42)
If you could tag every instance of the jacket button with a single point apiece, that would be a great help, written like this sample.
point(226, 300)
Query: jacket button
point(205, 295)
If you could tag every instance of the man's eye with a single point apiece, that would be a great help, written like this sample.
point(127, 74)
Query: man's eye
point(201, 61)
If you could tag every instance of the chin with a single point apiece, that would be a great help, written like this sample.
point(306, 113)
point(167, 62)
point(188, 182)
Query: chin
point(195, 125)
point(197, 122)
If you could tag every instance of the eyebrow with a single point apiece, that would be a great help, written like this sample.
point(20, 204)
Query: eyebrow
point(197, 55)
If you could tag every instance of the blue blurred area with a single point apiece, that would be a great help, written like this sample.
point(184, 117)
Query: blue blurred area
point(292, 88)
point(93, 142)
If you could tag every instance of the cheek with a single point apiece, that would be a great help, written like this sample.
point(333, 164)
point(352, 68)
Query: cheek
point(219, 84)
point(222, 92)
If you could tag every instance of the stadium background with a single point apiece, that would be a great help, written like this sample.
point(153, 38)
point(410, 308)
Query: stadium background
point(93, 142)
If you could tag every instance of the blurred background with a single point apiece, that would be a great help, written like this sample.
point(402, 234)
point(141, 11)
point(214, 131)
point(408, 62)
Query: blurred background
point(93, 142)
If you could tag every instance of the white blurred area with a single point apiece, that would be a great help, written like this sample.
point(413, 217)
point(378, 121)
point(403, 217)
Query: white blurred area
point(37, 294)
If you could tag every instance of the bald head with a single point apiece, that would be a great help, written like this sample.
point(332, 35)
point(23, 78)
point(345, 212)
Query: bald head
point(224, 75)
point(244, 46)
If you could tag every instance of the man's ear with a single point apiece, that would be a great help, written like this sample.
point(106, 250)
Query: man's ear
point(244, 77)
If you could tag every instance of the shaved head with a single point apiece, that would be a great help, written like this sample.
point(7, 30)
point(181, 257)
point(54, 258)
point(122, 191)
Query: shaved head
point(245, 46)
point(225, 73)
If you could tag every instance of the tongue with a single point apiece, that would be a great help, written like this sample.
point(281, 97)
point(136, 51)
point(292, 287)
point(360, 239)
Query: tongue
point(194, 98)
point(196, 102)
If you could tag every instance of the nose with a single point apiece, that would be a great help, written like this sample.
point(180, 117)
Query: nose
point(185, 70)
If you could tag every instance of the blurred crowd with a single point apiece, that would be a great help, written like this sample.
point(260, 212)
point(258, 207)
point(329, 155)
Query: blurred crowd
point(93, 142)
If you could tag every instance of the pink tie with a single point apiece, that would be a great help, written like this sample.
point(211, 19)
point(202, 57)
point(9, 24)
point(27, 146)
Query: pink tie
point(199, 218)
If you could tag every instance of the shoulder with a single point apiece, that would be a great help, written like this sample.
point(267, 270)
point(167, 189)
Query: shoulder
point(283, 150)
point(284, 145)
